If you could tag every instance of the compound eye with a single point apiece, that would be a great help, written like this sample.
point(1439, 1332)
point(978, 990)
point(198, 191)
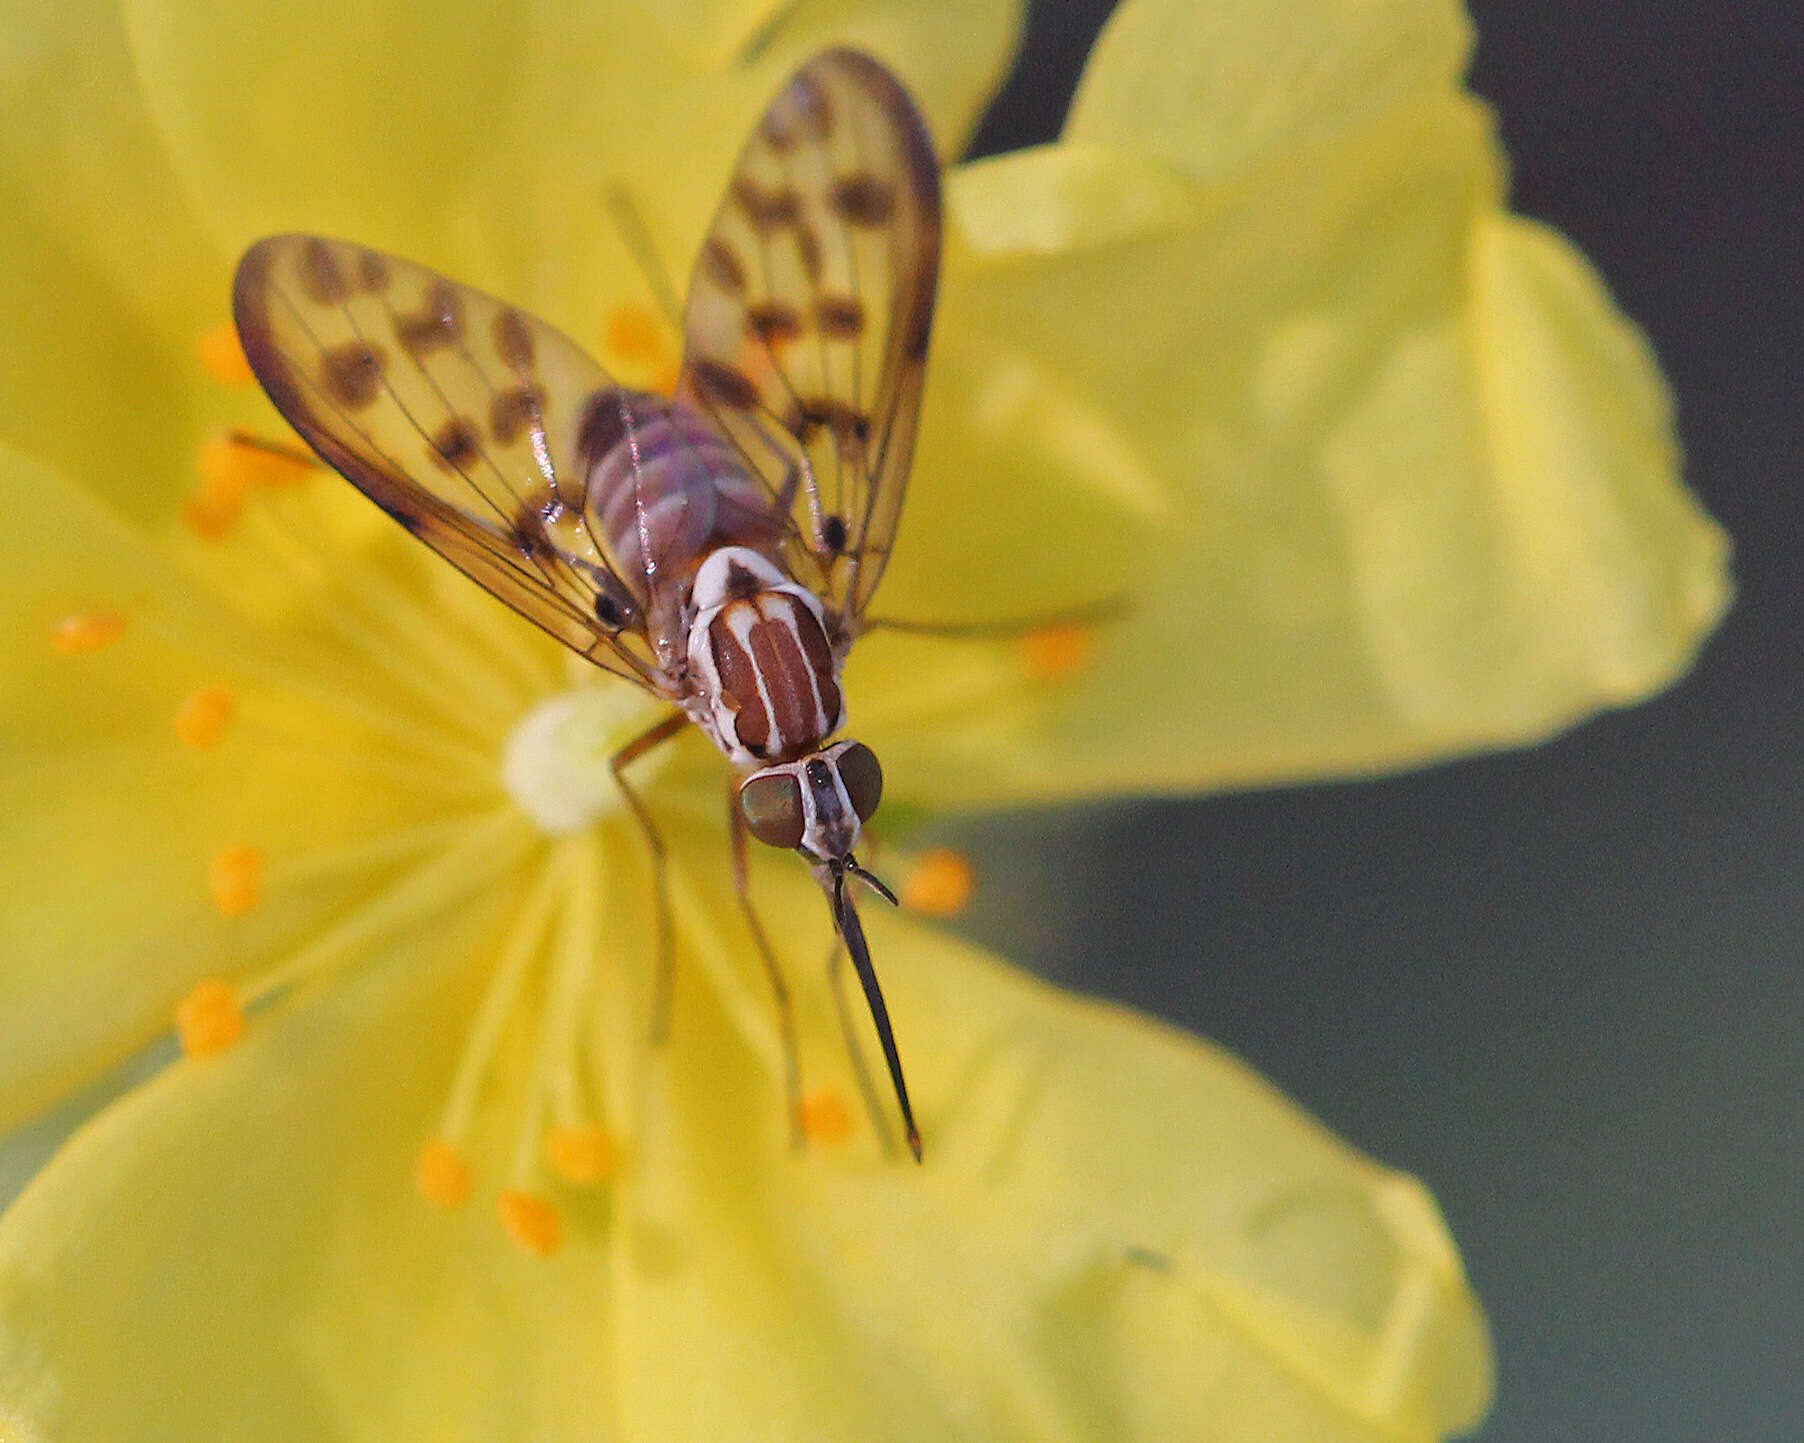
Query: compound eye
point(863, 776)
point(771, 804)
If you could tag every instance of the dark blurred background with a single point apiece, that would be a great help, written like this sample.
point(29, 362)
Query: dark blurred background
point(1563, 985)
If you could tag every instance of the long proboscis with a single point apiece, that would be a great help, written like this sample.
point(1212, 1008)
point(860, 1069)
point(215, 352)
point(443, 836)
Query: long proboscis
point(851, 930)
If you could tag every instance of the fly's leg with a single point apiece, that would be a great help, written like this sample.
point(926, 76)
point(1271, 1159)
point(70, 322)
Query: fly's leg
point(618, 763)
point(779, 985)
point(1093, 613)
point(848, 1029)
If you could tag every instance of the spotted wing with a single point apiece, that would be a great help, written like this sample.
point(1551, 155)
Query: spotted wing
point(471, 423)
point(810, 310)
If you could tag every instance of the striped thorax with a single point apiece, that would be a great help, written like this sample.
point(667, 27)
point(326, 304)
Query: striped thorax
point(764, 673)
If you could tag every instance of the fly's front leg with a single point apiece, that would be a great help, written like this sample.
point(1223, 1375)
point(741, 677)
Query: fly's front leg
point(666, 964)
point(779, 985)
point(1005, 628)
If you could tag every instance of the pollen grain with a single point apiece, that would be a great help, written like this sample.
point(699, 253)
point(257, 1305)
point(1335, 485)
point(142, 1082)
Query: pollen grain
point(825, 1118)
point(223, 356)
point(939, 884)
point(582, 1155)
point(530, 1221)
point(201, 721)
point(1054, 653)
point(236, 880)
point(86, 631)
point(209, 1019)
point(442, 1175)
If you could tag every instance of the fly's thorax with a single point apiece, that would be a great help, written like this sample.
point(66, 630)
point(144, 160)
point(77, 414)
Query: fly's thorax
point(760, 661)
point(817, 804)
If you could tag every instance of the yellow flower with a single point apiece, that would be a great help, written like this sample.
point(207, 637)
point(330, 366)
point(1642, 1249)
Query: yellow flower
point(1381, 471)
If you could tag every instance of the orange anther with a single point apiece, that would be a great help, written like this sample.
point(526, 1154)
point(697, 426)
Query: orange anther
point(86, 631)
point(236, 879)
point(635, 334)
point(825, 1117)
point(201, 722)
point(581, 1154)
point(238, 462)
point(214, 510)
point(1056, 652)
point(939, 884)
point(442, 1175)
point(530, 1221)
point(223, 356)
point(209, 1020)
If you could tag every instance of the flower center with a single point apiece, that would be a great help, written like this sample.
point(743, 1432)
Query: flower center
point(556, 764)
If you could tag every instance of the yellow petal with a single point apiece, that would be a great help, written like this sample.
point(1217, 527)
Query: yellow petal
point(1119, 1233)
point(109, 823)
point(1287, 421)
point(1220, 89)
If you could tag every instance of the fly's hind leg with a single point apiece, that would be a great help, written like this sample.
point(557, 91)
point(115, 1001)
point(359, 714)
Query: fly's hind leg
point(779, 985)
point(666, 963)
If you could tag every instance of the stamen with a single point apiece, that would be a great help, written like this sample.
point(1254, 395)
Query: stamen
point(201, 722)
point(825, 1117)
point(640, 350)
point(236, 880)
point(442, 1174)
point(247, 462)
point(517, 953)
point(1054, 653)
point(635, 334)
point(86, 631)
point(530, 1221)
point(222, 355)
point(939, 884)
point(215, 510)
point(232, 466)
point(582, 1155)
point(209, 1019)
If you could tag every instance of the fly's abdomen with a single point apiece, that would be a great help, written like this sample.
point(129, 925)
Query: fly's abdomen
point(664, 488)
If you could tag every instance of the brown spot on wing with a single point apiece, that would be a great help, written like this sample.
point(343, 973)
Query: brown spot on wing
point(513, 411)
point(849, 425)
point(351, 374)
point(723, 384)
point(455, 444)
point(320, 276)
point(721, 264)
point(372, 270)
point(773, 322)
point(840, 318)
point(438, 322)
point(862, 200)
point(766, 209)
point(513, 339)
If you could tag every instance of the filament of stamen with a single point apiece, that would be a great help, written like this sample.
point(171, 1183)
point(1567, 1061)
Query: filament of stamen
point(570, 970)
point(484, 852)
point(752, 1020)
point(939, 884)
point(372, 635)
point(517, 952)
